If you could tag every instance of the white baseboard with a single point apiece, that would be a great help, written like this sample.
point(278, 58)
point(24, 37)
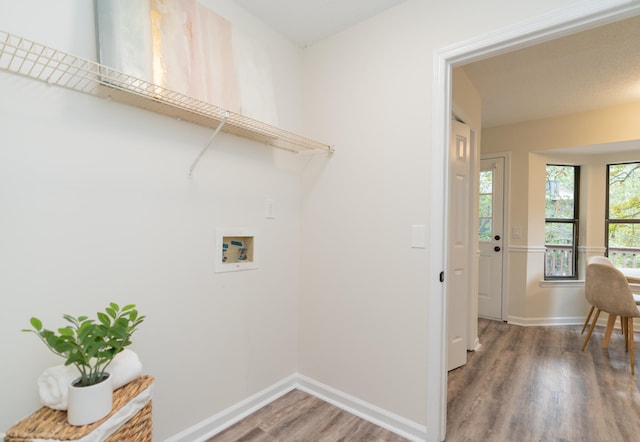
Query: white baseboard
point(369, 412)
point(569, 320)
point(223, 420)
point(226, 418)
point(559, 320)
point(602, 322)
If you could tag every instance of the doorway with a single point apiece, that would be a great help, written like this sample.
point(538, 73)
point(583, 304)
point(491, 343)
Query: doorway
point(492, 238)
point(569, 20)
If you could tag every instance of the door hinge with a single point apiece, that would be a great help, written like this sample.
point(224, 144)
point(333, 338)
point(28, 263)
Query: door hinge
point(441, 276)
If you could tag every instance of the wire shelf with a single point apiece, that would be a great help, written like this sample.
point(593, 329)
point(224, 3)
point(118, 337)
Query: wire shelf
point(37, 61)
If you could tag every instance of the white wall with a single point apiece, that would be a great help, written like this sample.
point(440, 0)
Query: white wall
point(96, 206)
point(581, 139)
point(364, 304)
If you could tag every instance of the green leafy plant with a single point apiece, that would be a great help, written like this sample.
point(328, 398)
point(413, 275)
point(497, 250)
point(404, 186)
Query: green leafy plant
point(90, 344)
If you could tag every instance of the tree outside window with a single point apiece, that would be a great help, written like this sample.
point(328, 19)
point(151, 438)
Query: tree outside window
point(561, 221)
point(623, 214)
point(485, 227)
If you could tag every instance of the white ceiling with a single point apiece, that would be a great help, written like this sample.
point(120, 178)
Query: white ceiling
point(305, 22)
point(589, 70)
point(585, 71)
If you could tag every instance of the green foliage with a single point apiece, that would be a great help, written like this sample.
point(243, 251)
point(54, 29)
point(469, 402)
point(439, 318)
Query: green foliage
point(485, 205)
point(624, 204)
point(558, 233)
point(560, 204)
point(89, 345)
point(560, 191)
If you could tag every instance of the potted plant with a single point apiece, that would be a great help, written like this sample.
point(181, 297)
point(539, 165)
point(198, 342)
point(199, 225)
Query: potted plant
point(90, 345)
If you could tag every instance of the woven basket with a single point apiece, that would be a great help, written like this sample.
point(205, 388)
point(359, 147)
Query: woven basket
point(50, 424)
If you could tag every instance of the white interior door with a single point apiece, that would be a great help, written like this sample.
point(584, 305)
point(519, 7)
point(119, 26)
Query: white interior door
point(491, 238)
point(459, 245)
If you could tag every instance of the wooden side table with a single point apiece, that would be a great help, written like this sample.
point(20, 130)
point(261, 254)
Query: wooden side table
point(49, 424)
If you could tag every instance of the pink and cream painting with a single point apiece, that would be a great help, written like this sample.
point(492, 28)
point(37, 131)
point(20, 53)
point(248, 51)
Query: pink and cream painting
point(184, 46)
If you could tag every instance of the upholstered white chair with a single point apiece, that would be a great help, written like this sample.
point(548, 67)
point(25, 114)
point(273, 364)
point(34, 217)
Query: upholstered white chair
point(606, 261)
point(607, 289)
point(598, 260)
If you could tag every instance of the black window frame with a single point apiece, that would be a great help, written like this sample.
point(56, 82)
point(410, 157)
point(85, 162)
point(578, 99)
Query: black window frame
point(607, 220)
point(575, 222)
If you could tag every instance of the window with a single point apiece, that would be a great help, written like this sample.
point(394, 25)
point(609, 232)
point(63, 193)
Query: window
point(561, 221)
point(622, 221)
point(485, 227)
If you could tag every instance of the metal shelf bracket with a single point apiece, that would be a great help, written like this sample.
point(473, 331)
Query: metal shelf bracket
point(204, 149)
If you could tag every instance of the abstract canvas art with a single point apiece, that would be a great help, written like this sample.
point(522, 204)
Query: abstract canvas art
point(184, 46)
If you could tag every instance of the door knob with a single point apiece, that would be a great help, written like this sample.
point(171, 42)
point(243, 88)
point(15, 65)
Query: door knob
point(497, 237)
point(496, 248)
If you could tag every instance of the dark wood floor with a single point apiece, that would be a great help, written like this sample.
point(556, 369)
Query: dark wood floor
point(534, 384)
point(300, 417)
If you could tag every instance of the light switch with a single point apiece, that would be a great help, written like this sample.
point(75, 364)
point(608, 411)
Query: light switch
point(516, 232)
point(418, 236)
point(269, 209)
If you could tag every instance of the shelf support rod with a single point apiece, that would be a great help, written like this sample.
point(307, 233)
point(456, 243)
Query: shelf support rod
point(204, 149)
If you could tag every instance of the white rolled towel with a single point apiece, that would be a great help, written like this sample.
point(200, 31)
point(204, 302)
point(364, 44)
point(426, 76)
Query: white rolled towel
point(53, 383)
point(124, 368)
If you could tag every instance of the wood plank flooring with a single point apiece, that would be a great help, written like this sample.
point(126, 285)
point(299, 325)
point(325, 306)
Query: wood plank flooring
point(534, 384)
point(524, 384)
point(298, 416)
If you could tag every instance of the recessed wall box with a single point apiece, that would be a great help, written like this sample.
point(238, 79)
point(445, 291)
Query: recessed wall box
point(235, 250)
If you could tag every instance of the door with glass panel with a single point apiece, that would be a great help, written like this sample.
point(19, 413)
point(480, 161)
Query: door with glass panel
point(490, 237)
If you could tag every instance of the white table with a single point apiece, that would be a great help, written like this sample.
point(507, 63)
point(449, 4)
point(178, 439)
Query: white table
point(632, 275)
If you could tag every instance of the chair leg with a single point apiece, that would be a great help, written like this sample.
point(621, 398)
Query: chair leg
point(625, 332)
point(586, 321)
point(631, 337)
point(593, 325)
point(607, 333)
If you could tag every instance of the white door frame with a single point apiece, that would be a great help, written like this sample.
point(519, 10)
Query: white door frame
point(565, 21)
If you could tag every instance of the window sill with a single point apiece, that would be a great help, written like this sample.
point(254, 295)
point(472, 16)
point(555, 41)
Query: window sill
point(562, 283)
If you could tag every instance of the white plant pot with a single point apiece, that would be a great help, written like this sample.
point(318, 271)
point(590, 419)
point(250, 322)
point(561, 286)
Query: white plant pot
point(89, 404)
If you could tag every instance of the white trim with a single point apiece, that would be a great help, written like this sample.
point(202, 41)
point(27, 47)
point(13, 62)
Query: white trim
point(383, 418)
point(560, 22)
point(527, 249)
point(204, 430)
point(495, 155)
point(536, 322)
point(602, 322)
point(592, 250)
point(563, 283)
point(567, 320)
point(208, 428)
point(436, 394)
point(506, 214)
